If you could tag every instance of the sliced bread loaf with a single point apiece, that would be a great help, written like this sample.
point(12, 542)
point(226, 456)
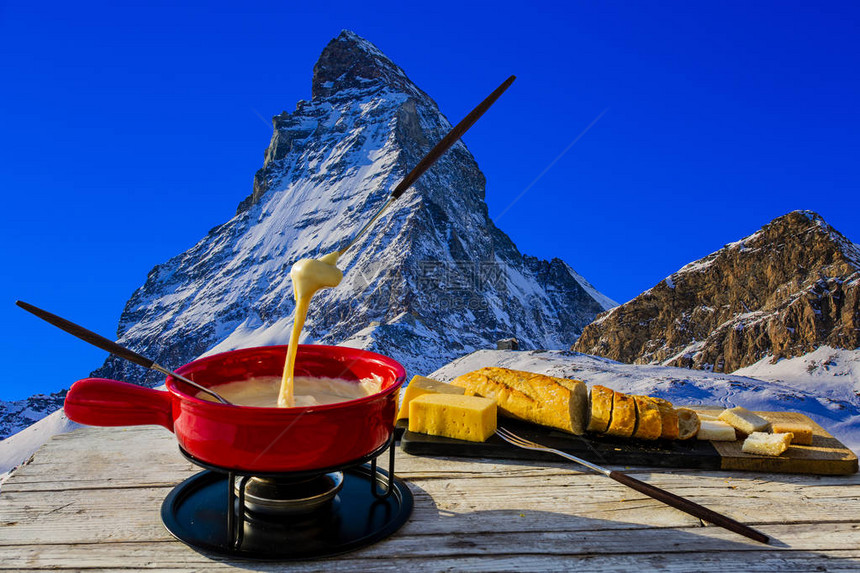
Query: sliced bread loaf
point(531, 397)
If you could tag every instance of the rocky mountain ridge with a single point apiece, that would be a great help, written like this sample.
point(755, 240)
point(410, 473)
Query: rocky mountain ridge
point(783, 291)
point(15, 415)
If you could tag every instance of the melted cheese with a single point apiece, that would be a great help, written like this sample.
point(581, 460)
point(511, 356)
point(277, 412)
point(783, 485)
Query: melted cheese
point(309, 276)
point(263, 391)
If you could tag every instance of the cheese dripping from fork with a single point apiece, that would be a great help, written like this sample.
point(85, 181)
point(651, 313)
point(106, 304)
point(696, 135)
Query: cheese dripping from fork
point(309, 276)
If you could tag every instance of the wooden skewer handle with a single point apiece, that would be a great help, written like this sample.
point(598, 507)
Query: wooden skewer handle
point(688, 506)
point(87, 335)
point(456, 132)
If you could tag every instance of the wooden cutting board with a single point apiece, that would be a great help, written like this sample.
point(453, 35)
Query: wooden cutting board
point(826, 455)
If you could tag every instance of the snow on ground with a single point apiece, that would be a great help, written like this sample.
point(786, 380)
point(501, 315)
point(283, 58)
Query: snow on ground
point(823, 400)
point(17, 448)
point(833, 372)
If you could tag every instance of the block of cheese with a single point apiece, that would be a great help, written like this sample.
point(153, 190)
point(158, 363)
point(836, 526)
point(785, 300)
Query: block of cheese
point(555, 402)
point(649, 423)
point(716, 431)
point(766, 444)
point(668, 419)
point(744, 420)
point(421, 385)
point(470, 418)
point(601, 408)
point(802, 432)
point(623, 419)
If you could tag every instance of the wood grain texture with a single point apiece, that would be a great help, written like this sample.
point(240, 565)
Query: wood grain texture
point(91, 500)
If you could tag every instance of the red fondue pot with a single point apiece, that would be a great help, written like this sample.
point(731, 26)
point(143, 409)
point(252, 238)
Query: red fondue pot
point(250, 438)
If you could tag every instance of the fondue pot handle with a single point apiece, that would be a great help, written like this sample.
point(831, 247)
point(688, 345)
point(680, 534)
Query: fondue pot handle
point(103, 402)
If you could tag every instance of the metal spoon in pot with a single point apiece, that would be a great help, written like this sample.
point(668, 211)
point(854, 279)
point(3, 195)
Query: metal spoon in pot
point(111, 346)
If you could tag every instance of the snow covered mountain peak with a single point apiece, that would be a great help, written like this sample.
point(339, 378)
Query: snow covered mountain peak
point(349, 63)
point(432, 279)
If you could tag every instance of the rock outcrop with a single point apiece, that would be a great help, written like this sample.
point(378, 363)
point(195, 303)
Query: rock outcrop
point(15, 415)
point(783, 291)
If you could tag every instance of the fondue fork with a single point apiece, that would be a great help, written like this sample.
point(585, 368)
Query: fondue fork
point(434, 154)
point(655, 492)
point(111, 346)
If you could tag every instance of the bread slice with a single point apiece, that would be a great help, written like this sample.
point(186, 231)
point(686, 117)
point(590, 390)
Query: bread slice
point(766, 444)
point(668, 419)
point(578, 405)
point(601, 409)
point(649, 423)
point(716, 431)
point(688, 423)
point(554, 402)
point(802, 432)
point(623, 420)
point(744, 420)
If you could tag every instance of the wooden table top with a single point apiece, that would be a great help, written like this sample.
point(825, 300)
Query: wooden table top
point(91, 500)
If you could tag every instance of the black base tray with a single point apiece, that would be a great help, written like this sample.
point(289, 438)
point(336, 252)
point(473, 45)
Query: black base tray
point(195, 512)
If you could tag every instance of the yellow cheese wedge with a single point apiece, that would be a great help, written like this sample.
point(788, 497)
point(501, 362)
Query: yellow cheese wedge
point(421, 385)
point(471, 418)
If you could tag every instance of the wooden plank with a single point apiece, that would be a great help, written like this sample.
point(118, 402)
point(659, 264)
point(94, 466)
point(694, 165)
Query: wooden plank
point(469, 514)
point(440, 508)
point(176, 557)
point(762, 562)
point(483, 550)
point(96, 457)
point(557, 502)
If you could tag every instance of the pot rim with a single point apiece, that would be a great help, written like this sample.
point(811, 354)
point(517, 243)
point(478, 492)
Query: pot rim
point(400, 378)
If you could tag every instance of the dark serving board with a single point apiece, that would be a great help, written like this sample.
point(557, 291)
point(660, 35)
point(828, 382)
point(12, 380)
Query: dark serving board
point(826, 455)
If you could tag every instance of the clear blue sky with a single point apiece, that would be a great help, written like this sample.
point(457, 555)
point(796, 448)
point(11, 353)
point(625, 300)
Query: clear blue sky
point(130, 131)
